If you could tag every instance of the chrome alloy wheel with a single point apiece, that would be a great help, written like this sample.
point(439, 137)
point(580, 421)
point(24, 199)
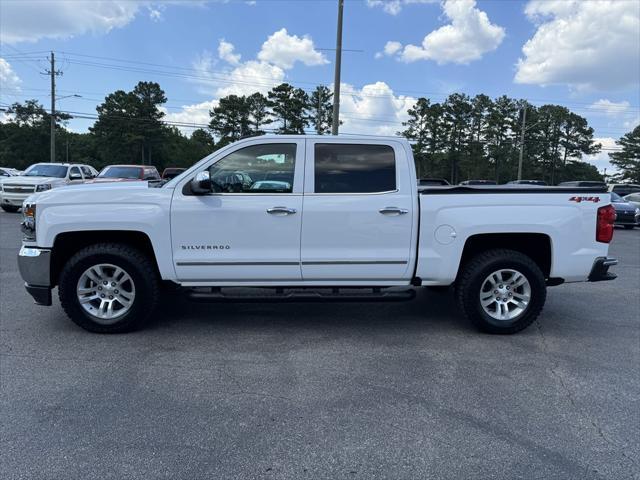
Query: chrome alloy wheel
point(505, 294)
point(106, 292)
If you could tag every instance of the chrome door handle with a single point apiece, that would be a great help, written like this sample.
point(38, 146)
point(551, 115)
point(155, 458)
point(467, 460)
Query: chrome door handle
point(393, 211)
point(281, 211)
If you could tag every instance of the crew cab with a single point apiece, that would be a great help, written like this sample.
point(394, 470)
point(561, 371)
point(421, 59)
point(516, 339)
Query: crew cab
point(39, 178)
point(333, 218)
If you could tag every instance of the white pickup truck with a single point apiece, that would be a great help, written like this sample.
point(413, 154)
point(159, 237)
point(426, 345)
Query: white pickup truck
point(310, 218)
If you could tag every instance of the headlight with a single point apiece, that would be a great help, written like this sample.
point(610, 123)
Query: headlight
point(28, 225)
point(43, 187)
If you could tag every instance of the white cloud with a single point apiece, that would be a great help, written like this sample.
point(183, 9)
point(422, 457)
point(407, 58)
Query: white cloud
point(390, 49)
point(30, 21)
point(226, 52)
point(249, 77)
point(469, 36)
point(9, 80)
point(587, 45)
point(609, 108)
point(374, 109)
point(393, 7)
point(601, 160)
point(284, 50)
point(197, 114)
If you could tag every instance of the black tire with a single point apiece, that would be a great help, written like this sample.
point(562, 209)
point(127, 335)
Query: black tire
point(10, 208)
point(472, 277)
point(140, 268)
point(629, 227)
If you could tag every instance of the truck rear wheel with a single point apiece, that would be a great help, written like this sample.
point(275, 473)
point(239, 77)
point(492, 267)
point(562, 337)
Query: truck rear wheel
point(501, 291)
point(109, 288)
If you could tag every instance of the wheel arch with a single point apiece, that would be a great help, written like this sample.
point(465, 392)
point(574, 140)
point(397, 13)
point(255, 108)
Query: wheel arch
point(537, 246)
point(68, 243)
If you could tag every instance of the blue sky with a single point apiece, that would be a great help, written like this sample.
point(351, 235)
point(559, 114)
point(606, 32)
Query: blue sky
point(581, 54)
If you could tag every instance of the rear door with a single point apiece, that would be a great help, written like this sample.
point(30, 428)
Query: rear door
point(358, 212)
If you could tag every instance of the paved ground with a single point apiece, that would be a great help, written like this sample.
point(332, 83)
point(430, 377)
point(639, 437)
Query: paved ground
point(330, 391)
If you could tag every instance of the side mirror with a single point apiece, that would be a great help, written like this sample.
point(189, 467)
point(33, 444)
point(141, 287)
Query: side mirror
point(75, 176)
point(201, 184)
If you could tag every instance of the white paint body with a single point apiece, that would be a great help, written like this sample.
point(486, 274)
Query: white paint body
point(331, 239)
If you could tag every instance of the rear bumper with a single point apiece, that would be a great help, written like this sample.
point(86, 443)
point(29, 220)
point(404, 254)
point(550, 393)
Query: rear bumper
point(35, 268)
point(600, 270)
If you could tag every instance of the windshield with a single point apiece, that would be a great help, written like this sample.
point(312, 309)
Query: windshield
point(45, 170)
point(120, 172)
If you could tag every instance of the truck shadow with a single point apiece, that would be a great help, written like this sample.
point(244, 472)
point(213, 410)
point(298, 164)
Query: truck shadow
point(428, 312)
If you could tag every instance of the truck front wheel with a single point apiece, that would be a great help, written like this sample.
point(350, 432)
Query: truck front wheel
point(109, 288)
point(501, 291)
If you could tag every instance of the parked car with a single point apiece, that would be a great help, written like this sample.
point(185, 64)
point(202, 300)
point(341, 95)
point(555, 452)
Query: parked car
point(365, 227)
point(8, 172)
point(623, 189)
point(271, 186)
point(425, 182)
point(478, 182)
point(633, 199)
point(627, 214)
point(169, 173)
point(232, 182)
point(528, 182)
point(120, 173)
point(39, 178)
point(583, 183)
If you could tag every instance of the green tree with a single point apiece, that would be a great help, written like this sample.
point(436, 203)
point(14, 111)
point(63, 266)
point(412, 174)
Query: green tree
point(321, 109)
point(230, 120)
point(288, 106)
point(129, 128)
point(259, 115)
point(203, 139)
point(628, 158)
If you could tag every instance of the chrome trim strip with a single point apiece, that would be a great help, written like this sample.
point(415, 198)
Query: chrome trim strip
point(202, 264)
point(314, 194)
point(298, 280)
point(357, 262)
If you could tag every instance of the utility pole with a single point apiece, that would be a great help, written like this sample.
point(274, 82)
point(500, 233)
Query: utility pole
point(53, 73)
point(524, 122)
point(336, 80)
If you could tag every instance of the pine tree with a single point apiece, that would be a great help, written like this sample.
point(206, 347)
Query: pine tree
point(628, 159)
point(321, 109)
point(288, 105)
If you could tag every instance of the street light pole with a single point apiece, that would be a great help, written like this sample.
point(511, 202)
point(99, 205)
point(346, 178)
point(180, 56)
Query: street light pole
point(336, 80)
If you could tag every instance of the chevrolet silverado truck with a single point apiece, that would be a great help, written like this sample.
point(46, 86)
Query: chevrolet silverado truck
point(310, 218)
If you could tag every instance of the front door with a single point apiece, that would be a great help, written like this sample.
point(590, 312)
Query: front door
point(358, 212)
point(249, 229)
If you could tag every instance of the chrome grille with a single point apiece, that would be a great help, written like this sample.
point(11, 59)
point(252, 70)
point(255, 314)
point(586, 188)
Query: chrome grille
point(19, 188)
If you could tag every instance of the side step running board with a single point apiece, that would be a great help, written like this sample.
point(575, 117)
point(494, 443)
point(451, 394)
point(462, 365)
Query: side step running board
point(297, 295)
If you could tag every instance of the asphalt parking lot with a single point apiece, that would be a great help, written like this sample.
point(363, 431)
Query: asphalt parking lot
point(357, 391)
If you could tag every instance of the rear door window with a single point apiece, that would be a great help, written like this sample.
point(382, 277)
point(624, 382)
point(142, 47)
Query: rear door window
point(350, 168)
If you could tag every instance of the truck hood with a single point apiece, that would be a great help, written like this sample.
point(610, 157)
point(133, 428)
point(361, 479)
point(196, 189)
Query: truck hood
point(92, 193)
point(22, 180)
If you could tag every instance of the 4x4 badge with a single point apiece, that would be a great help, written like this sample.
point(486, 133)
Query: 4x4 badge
point(585, 199)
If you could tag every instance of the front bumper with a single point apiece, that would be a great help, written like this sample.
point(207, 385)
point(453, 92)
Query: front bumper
point(600, 270)
point(35, 268)
point(14, 199)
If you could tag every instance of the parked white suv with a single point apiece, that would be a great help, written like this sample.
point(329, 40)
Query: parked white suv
point(41, 177)
point(313, 218)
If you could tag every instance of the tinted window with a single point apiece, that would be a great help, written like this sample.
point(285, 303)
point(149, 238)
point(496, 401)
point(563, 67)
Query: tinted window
point(248, 169)
point(151, 174)
point(44, 170)
point(87, 172)
point(120, 172)
point(344, 168)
